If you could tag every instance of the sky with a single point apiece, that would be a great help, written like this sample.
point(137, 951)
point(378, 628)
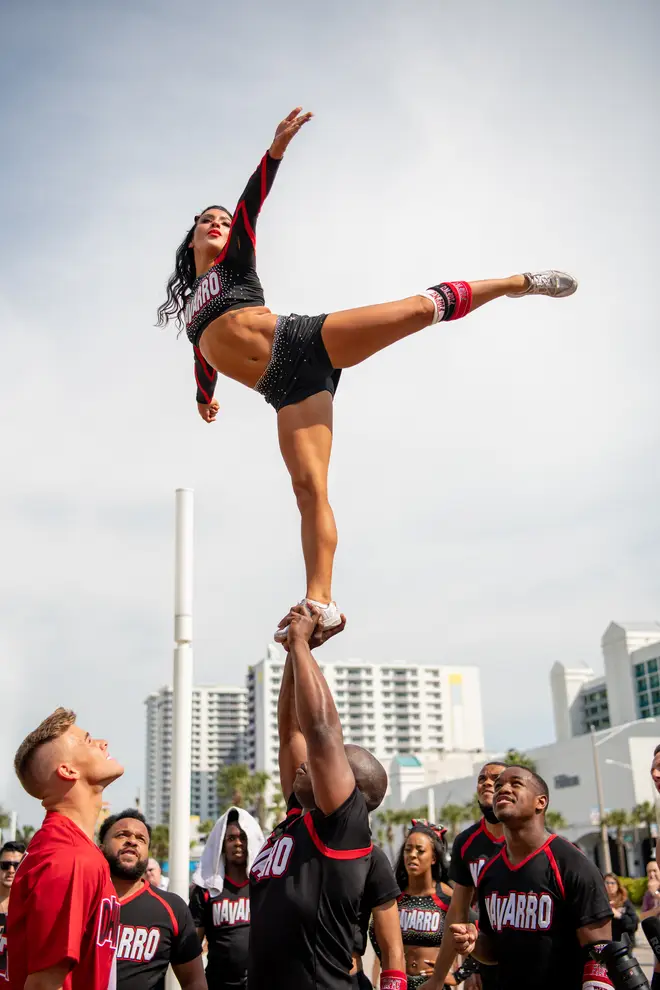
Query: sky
point(495, 480)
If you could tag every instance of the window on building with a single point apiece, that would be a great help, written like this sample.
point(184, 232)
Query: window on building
point(654, 681)
point(652, 665)
point(644, 700)
point(655, 697)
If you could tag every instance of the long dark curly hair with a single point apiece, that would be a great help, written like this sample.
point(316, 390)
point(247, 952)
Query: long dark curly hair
point(438, 869)
point(180, 282)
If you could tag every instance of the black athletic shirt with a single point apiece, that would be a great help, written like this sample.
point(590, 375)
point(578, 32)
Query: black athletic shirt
point(3, 947)
point(156, 928)
point(232, 282)
point(306, 889)
point(532, 911)
point(472, 849)
point(380, 887)
point(226, 923)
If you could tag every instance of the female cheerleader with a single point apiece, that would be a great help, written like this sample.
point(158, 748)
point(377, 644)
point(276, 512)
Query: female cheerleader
point(295, 361)
point(422, 877)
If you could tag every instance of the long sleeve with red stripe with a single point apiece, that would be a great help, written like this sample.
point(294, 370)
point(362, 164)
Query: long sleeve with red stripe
point(205, 376)
point(241, 243)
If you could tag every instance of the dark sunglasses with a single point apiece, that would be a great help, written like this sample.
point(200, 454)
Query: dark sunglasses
point(7, 864)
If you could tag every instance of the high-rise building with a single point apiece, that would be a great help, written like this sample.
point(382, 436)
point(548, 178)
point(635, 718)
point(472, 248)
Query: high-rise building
point(629, 689)
point(390, 708)
point(219, 737)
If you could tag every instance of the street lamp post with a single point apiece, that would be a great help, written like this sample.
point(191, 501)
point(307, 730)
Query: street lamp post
point(604, 837)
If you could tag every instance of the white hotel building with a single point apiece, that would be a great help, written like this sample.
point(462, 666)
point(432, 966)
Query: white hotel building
point(219, 733)
point(622, 705)
point(388, 708)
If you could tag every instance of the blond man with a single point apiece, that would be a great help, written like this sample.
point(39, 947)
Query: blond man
point(64, 914)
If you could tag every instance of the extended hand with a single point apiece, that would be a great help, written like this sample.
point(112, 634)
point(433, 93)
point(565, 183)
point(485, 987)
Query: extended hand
point(465, 938)
point(319, 636)
point(303, 620)
point(287, 130)
point(208, 411)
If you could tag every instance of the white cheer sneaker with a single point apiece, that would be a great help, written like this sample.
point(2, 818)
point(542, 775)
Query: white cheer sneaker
point(555, 284)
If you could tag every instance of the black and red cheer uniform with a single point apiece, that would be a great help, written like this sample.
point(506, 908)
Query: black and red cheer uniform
point(156, 928)
point(225, 919)
point(306, 894)
point(531, 913)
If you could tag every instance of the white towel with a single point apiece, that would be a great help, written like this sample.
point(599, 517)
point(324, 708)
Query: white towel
point(210, 873)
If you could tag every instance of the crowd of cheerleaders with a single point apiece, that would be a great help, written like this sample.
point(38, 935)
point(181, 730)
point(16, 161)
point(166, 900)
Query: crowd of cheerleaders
point(536, 911)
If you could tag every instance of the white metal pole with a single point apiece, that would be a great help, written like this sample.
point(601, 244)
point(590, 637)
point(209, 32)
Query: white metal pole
point(182, 697)
point(430, 800)
point(606, 865)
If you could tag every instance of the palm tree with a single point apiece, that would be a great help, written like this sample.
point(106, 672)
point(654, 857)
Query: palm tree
point(643, 814)
point(618, 819)
point(277, 808)
point(555, 821)
point(159, 847)
point(240, 787)
point(515, 757)
point(471, 810)
point(25, 833)
point(4, 818)
point(451, 816)
point(204, 828)
point(390, 819)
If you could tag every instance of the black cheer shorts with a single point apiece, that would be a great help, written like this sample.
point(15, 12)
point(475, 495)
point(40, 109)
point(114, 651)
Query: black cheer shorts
point(299, 365)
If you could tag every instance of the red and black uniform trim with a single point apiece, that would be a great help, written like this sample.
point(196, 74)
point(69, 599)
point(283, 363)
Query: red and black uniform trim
point(422, 921)
point(225, 919)
point(380, 887)
point(156, 928)
point(531, 911)
point(472, 849)
point(3, 947)
point(232, 281)
point(306, 891)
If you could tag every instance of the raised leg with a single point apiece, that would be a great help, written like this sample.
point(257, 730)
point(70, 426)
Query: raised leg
point(305, 435)
point(353, 335)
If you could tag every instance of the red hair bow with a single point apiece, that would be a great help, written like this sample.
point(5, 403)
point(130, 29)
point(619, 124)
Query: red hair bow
point(423, 823)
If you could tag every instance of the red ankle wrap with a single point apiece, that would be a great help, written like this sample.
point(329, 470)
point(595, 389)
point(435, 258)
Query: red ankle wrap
point(463, 296)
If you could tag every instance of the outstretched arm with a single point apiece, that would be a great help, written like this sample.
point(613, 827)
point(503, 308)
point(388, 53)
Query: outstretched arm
point(332, 777)
point(242, 241)
point(293, 748)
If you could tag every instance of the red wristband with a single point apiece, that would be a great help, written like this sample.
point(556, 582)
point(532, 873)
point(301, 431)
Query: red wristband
point(594, 976)
point(393, 979)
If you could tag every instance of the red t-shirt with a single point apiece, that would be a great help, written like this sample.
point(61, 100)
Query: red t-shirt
point(63, 909)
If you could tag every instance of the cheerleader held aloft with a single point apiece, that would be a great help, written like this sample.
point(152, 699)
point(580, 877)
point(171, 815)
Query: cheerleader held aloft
point(453, 300)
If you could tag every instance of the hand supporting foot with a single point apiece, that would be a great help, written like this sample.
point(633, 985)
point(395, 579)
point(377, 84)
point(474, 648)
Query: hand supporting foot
point(330, 623)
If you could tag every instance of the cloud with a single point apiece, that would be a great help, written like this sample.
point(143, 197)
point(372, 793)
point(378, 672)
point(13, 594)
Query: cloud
point(495, 481)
